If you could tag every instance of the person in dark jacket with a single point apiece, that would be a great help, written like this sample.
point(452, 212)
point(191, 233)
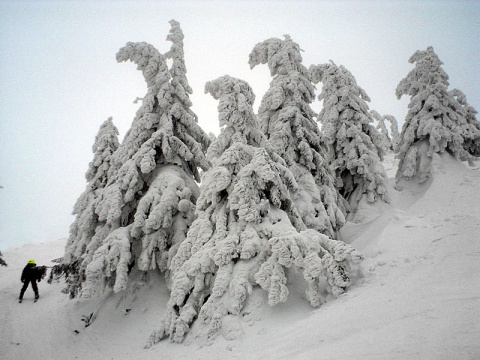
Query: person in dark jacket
point(29, 275)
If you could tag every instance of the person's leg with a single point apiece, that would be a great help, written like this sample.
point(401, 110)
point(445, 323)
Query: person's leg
point(35, 288)
point(24, 288)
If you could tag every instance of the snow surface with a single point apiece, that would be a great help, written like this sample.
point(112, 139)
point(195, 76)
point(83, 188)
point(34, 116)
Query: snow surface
point(419, 298)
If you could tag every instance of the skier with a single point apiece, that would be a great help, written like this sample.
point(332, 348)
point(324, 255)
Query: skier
point(29, 275)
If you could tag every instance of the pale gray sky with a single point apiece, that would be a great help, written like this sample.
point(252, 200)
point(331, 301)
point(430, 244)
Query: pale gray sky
point(59, 79)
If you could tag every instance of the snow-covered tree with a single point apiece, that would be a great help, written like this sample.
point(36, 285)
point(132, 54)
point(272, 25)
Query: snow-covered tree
point(395, 134)
point(149, 200)
point(356, 147)
point(288, 121)
point(470, 143)
point(246, 233)
point(86, 219)
point(386, 142)
point(390, 138)
point(438, 120)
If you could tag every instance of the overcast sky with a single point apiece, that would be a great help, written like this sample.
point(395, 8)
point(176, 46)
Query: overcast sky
point(59, 79)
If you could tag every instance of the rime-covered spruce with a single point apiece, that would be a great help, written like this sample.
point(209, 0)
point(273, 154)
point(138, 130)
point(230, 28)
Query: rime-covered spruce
point(356, 147)
point(438, 120)
point(86, 219)
point(390, 138)
point(248, 231)
point(148, 203)
point(286, 118)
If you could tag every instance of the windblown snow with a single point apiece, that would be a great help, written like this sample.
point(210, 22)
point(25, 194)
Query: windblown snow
point(419, 297)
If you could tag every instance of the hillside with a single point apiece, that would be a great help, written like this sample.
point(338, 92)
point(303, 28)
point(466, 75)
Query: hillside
point(418, 298)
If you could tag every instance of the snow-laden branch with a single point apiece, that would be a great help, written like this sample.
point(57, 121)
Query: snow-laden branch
point(109, 264)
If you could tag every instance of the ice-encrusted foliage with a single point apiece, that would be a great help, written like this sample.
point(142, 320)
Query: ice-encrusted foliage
point(287, 120)
point(110, 264)
point(471, 143)
point(356, 147)
point(86, 219)
point(178, 69)
point(163, 216)
point(245, 233)
point(395, 134)
point(389, 138)
point(106, 143)
point(439, 118)
point(151, 190)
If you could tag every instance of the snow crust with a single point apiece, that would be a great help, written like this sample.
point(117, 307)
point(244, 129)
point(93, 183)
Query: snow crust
point(419, 299)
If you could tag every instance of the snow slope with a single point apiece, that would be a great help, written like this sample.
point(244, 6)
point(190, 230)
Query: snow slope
point(419, 297)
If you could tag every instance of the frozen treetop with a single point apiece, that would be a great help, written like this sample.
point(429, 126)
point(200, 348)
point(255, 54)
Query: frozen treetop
point(236, 144)
point(106, 142)
point(165, 120)
point(339, 88)
point(227, 85)
point(344, 103)
point(237, 122)
point(148, 60)
point(390, 138)
point(428, 71)
point(285, 113)
point(282, 56)
point(178, 69)
point(229, 91)
point(154, 103)
point(234, 149)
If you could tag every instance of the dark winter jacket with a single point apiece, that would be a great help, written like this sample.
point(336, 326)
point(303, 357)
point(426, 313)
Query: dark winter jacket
point(29, 273)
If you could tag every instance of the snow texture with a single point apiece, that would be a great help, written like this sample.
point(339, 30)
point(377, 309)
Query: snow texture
point(286, 118)
point(438, 120)
point(356, 147)
point(245, 233)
